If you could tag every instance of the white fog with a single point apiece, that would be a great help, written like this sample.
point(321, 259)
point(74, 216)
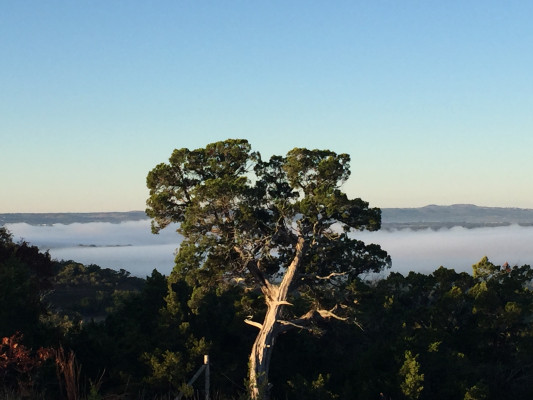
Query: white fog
point(131, 246)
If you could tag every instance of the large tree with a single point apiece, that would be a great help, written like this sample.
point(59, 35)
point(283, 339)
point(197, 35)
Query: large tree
point(282, 227)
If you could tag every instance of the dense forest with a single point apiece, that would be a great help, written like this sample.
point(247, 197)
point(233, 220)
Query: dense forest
point(81, 332)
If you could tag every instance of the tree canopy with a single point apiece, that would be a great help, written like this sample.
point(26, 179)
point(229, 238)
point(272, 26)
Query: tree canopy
point(282, 226)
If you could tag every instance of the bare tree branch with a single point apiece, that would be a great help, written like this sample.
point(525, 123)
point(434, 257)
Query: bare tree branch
point(332, 275)
point(253, 323)
point(290, 324)
point(305, 321)
point(282, 303)
point(329, 314)
point(252, 265)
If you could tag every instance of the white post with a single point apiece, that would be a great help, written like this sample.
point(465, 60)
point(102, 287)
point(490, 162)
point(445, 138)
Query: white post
point(203, 368)
point(206, 363)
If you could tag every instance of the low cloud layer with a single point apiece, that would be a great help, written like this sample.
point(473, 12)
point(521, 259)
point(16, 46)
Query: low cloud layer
point(456, 248)
point(131, 245)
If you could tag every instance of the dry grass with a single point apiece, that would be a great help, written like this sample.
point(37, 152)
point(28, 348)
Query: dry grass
point(69, 372)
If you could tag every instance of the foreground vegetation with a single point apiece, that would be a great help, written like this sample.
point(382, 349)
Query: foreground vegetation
point(439, 336)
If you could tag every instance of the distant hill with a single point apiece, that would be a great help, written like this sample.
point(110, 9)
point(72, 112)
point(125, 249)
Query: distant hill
point(466, 215)
point(432, 216)
point(70, 218)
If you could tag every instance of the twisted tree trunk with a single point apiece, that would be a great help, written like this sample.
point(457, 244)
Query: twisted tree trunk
point(275, 298)
point(261, 355)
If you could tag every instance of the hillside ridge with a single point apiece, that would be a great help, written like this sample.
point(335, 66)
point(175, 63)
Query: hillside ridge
point(466, 215)
point(430, 216)
point(71, 218)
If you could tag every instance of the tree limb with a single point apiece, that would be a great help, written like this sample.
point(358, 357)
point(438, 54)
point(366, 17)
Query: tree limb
point(304, 322)
point(290, 324)
point(253, 323)
point(332, 275)
point(252, 266)
point(282, 303)
point(291, 270)
point(329, 314)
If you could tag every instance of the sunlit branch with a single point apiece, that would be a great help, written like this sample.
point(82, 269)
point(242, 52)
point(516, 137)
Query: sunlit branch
point(332, 275)
point(290, 324)
point(253, 323)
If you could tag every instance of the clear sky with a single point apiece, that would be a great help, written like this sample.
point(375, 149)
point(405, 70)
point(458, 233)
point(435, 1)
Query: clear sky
point(433, 100)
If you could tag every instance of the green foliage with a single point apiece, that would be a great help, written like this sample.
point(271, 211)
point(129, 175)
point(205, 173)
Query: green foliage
point(301, 388)
point(25, 275)
point(484, 269)
point(93, 394)
point(468, 345)
point(232, 206)
point(462, 329)
point(166, 366)
point(477, 392)
point(133, 328)
point(412, 379)
point(89, 292)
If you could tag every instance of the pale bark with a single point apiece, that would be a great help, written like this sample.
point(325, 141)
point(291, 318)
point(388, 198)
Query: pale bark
point(261, 355)
point(276, 298)
point(273, 324)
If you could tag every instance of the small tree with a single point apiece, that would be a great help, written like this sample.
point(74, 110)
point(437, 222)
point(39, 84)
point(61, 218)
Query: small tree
point(18, 363)
point(412, 379)
point(281, 226)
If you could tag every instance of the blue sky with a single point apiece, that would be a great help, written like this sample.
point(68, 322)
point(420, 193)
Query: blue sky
point(433, 100)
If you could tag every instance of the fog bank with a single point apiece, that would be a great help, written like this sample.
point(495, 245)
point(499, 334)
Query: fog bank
point(455, 248)
point(131, 246)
